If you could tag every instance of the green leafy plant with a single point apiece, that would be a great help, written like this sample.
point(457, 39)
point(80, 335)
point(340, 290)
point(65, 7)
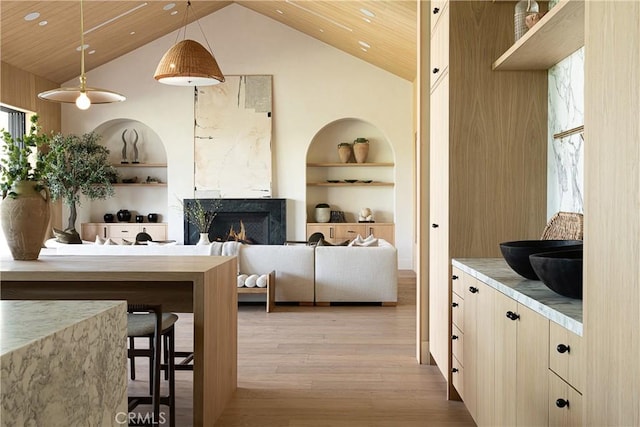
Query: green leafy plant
point(361, 141)
point(344, 144)
point(198, 216)
point(78, 165)
point(16, 164)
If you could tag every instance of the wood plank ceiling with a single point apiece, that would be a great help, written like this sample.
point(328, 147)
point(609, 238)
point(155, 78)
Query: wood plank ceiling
point(114, 28)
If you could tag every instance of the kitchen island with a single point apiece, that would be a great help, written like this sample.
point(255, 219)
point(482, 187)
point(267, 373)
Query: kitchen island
point(63, 362)
point(202, 285)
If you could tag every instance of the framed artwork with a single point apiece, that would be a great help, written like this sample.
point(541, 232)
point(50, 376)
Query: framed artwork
point(233, 137)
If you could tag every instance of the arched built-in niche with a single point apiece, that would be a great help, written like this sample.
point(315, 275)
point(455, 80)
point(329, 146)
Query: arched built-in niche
point(141, 198)
point(323, 165)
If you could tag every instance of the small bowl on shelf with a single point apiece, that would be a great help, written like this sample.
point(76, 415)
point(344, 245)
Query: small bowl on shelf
point(350, 181)
point(333, 181)
point(367, 181)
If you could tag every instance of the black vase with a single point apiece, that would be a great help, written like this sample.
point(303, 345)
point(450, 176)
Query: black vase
point(152, 217)
point(108, 217)
point(124, 215)
point(139, 218)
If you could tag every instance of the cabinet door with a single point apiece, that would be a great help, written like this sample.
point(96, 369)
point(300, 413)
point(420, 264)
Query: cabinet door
point(439, 262)
point(349, 231)
point(328, 231)
point(565, 403)
point(89, 231)
point(472, 290)
point(440, 47)
point(485, 354)
point(156, 231)
point(566, 357)
point(123, 231)
point(532, 367)
point(505, 361)
point(381, 231)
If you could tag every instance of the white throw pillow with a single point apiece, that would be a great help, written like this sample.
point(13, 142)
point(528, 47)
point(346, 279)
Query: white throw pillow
point(251, 281)
point(262, 281)
point(99, 240)
point(110, 242)
point(126, 242)
point(241, 279)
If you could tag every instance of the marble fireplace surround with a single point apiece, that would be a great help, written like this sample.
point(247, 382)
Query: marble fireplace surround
point(265, 220)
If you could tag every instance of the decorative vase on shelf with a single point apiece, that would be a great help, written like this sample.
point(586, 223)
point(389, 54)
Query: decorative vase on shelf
point(344, 152)
point(25, 218)
point(323, 212)
point(204, 239)
point(524, 8)
point(361, 149)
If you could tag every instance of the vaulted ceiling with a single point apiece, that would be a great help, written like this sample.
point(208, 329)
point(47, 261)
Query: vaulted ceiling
point(380, 32)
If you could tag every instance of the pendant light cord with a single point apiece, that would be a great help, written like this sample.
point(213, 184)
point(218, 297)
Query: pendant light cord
point(185, 22)
point(83, 79)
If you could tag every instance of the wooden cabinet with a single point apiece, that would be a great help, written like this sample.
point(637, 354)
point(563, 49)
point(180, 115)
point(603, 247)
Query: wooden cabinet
point(339, 232)
point(119, 231)
point(566, 376)
point(565, 403)
point(487, 170)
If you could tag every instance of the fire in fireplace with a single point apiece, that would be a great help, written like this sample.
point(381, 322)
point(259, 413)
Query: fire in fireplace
point(255, 221)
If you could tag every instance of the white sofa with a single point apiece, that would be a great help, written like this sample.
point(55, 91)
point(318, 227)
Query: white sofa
point(304, 274)
point(357, 274)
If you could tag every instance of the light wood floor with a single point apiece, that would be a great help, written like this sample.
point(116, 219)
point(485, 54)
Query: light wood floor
point(329, 366)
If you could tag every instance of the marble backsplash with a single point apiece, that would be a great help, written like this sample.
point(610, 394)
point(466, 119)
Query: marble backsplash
point(565, 170)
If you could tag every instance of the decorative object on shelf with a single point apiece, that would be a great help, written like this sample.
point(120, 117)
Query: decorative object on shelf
point(108, 217)
point(82, 96)
point(130, 180)
point(345, 151)
point(204, 239)
point(350, 181)
point(143, 236)
point(361, 149)
point(124, 215)
point(524, 8)
point(134, 144)
point(533, 19)
point(323, 212)
point(201, 218)
point(151, 180)
point(139, 218)
point(188, 63)
point(152, 217)
point(365, 215)
point(337, 216)
point(25, 208)
point(78, 165)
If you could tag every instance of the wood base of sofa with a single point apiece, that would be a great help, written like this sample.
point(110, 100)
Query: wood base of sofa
point(330, 303)
point(269, 290)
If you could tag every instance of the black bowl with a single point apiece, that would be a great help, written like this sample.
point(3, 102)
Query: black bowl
point(561, 271)
point(517, 253)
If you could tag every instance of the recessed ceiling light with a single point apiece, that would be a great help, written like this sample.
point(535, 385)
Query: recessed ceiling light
point(132, 33)
point(91, 52)
point(321, 30)
point(280, 12)
point(86, 46)
point(364, 44)
point(368, 13)
point(169, 6)
point(175, 12)
point(31, 16)
point(364, 50)
point(367, 20)
point(43, 23)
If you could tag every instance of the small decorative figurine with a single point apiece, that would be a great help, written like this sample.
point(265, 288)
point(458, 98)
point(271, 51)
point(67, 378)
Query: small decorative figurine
point(365, 215)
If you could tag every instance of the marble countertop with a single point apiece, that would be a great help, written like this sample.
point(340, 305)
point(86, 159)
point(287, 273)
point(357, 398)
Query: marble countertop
point(24, 322)
point(496, 273)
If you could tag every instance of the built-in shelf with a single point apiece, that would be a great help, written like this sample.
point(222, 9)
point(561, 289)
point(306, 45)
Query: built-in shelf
point(556, 36)
point(350, 184)
point(139, 165)
point(330, 165)
point(142, 184)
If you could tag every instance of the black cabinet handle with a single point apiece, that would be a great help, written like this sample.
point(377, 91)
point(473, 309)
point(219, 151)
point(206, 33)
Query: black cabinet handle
point(454, 337)
point(473, 289)
point(455, 304)
point(454, 370)
point(513, 316)
point(454, 277)
point(434, 226)
point(436, 70)
point(563, 348)
point(561, 403)
point(436, 10)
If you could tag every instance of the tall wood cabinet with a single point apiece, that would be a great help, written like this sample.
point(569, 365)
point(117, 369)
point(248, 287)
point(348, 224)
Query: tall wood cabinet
point(487, 150)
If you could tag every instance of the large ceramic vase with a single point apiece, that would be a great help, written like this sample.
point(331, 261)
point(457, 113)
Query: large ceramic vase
point(25, 219)
point(344, 152)
point(361, 151)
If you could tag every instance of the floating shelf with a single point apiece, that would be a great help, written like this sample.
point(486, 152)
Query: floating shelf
point(350, 184)
point(139, 165)
point(556, 36)
point(348, 165)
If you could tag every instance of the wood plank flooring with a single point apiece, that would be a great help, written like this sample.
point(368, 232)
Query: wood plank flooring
point(328, 367)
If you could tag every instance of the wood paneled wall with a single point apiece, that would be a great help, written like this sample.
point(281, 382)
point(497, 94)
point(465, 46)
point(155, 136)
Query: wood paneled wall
point(20, 89)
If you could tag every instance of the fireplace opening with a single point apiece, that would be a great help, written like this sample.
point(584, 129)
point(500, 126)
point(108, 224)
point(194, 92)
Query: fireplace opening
point(252, 221)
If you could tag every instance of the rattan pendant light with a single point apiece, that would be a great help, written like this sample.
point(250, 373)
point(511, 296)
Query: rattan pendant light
point(188, 63)
point(82, 96)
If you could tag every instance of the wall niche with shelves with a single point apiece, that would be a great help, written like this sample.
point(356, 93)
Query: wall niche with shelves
point(351, 186)
point(148, 194)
